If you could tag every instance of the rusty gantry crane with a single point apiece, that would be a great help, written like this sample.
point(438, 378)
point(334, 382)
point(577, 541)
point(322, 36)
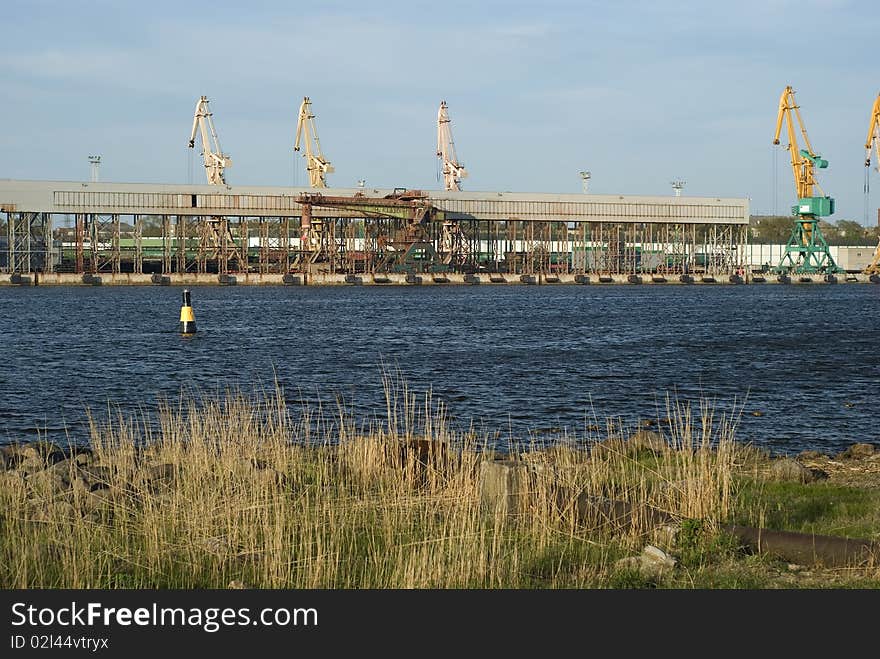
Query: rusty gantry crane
point(396, 238)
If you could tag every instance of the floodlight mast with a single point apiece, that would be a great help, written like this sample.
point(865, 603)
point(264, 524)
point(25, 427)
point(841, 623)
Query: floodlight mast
point(94, 163)
point(585, 181)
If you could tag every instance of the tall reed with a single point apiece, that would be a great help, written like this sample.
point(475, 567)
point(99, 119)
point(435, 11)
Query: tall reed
point(237, 487)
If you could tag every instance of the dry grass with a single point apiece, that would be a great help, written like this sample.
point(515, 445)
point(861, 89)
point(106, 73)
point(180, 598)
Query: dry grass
point(236, 489)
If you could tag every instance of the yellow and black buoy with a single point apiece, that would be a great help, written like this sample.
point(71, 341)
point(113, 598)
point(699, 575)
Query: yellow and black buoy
point(187, 317)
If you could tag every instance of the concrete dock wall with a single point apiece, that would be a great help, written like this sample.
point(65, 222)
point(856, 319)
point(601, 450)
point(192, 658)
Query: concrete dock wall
point(424, 279)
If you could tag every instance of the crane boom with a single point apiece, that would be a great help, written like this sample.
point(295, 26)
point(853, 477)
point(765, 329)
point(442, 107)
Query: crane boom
point(807, 251)
point(803, 161)
point(873, 268)
point(215, 160)
point(453, 171)
point(873, 134)
point(316, 164)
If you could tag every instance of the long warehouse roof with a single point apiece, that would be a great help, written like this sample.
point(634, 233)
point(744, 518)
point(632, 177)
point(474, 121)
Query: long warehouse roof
point(259, 201)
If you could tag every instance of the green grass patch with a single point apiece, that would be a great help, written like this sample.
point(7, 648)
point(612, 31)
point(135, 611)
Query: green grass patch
point(819, 508)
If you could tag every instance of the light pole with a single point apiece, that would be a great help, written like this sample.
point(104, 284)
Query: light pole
point(585, 180)
point(95, 162)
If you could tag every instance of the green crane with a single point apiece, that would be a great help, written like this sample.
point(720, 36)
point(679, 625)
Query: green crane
point(806, 251)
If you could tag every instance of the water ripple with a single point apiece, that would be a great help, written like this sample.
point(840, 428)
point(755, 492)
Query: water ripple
point(514, 361)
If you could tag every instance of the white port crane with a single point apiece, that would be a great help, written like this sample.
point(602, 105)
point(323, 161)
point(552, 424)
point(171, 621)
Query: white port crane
point(316, 164)
point(216, 241)
point(453, 171)
point(215, 160)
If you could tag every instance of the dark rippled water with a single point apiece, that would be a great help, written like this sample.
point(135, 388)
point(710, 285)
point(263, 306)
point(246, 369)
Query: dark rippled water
point(518, 362)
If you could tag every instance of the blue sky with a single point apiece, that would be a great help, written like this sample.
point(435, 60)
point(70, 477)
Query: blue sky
point(638, 93)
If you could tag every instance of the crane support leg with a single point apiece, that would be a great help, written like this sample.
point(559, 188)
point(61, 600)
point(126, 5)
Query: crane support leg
point(807, 251)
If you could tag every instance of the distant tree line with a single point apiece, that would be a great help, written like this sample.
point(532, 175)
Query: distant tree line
point(776, 229)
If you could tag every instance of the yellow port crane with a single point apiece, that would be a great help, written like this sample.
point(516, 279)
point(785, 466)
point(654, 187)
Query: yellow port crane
point(316, 164)
point(215, 160)
point(872, 142)
point(453, 171)
point(807, 251)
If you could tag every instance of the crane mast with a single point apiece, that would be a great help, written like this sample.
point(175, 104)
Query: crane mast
point(316, 164)
point(215, 160)
point(807, 251)
point(453, 171)
point(873, 141)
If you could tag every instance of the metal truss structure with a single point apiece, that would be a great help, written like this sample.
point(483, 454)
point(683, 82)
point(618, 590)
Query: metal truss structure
point(198, 229)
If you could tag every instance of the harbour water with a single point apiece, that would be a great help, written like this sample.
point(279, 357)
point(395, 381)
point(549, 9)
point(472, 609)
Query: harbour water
point(796, 366)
